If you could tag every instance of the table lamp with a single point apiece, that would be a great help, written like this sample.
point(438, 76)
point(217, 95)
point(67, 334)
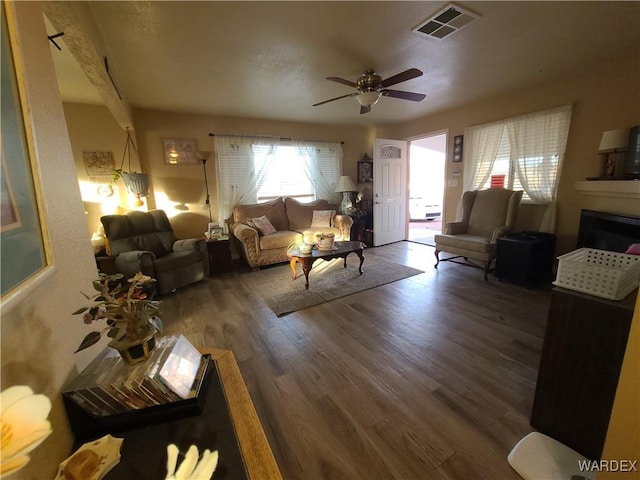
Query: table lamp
point(346, 187)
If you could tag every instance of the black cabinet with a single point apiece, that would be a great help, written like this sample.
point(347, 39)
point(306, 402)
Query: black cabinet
point(526, 258)
point(584, 345)
point(219, 256)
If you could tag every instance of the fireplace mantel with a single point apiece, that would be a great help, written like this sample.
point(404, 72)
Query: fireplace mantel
point(607, 188)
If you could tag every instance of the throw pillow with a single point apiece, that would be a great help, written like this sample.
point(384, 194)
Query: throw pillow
point(634, 249)
point(264, 225)
point(322, 218)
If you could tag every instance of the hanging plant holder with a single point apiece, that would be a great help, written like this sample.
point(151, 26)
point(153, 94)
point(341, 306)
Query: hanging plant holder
point(137, 183)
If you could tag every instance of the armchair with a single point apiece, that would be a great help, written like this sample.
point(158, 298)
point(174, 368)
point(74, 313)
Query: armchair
point(145, 242)
point(486, 215)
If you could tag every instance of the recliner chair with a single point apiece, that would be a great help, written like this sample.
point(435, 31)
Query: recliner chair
point(486, 215)
point(145, 242)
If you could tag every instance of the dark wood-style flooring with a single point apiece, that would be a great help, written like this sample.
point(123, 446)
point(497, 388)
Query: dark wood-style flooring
point(430, 377)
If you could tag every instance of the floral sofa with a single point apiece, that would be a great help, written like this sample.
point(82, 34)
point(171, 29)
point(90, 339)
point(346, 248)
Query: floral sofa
point(265, 242)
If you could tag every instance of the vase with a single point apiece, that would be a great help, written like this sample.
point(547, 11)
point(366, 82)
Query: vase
point(138, 349)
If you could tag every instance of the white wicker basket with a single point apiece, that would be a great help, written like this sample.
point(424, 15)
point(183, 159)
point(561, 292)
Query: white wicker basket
point(601, 273)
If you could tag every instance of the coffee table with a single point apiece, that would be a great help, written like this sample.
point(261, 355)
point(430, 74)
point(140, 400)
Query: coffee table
point(340, 250)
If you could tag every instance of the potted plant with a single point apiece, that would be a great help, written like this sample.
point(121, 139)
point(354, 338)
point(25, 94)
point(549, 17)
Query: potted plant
point(132, 318)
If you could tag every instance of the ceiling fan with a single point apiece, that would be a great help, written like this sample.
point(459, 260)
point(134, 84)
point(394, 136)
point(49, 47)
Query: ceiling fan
point(370, 87)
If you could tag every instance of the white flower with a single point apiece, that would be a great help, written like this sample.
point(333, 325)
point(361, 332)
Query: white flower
point(23, 418)
point(190, 468)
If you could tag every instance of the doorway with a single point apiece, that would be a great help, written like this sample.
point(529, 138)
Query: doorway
point(427, 157)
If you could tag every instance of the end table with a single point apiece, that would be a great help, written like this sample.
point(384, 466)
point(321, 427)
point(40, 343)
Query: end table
point(219, 255)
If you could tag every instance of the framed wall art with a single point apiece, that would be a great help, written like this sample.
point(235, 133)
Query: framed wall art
point(365, 169)
point(23, 241)
point(180, 151)
point(98, 163)
point(457, 148)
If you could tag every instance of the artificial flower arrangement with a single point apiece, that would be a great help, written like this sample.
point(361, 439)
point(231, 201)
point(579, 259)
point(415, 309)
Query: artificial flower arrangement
point(128, 311)
point(194, 466)
point(23, 419)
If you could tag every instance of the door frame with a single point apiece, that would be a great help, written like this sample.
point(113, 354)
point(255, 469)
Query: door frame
point(435, 133)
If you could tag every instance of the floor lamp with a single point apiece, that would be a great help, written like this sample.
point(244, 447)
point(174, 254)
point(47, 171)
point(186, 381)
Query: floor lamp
point(204, 156)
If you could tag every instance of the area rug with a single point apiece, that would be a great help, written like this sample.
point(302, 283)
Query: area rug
point(327, 281)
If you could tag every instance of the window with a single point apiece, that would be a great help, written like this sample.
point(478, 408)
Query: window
point(528, 150)
point(285, 174)
point(525, 150)
point(255, 169)
point(506, 168)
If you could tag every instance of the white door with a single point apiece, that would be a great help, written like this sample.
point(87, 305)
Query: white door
point(389, 191)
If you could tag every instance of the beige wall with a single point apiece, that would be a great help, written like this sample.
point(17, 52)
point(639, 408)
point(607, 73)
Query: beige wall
point(92, 128)
point(38, 333)
point(604, 97)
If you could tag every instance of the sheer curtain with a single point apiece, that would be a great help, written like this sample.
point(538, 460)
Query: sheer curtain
point(481, 144)
point(243, 164)
point(323, 164)
point(238, 177)
point(537, 142)
point(536, 145)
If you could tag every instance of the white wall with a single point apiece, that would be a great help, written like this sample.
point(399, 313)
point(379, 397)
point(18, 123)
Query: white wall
point(38, 333)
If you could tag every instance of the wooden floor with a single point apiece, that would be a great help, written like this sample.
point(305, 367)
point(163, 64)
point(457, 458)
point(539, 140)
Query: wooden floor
point(430, 377)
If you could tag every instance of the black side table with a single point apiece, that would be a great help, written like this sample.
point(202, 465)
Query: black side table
point(219, 256)
point(526, 258)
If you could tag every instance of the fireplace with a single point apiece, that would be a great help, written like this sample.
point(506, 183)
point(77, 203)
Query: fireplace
point(608, 231)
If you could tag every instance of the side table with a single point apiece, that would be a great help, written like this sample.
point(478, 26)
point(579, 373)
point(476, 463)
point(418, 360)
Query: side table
point(526, 258)
point(219, 256)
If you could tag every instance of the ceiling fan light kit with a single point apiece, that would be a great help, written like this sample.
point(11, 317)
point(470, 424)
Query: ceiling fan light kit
point(370, 87)
point(368, 99)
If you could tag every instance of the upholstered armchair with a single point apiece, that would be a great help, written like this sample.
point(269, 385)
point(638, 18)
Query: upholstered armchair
point(145, 242)
point(486, 215)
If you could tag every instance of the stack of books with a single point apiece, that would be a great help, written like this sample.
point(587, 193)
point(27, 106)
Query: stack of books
point(109, 386)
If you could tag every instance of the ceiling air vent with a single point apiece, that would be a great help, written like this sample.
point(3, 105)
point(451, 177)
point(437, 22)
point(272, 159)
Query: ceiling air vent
point(447, 21)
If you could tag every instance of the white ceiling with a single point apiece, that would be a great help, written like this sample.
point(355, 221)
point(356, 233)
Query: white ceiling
point(271, 59)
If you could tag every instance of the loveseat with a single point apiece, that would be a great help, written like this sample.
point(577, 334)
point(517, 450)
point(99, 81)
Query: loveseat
point(291, 220)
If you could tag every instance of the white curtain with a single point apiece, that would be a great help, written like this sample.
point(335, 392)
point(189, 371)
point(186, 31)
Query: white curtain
point(481, 144)
point(537, 144)
point(237, 176)
point(243, 164)
point(323, 164)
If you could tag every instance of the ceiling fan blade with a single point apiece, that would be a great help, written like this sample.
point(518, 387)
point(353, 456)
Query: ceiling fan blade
point(400, 77)
point(343, 81)
point(364, 109)
point(337, 98)
point(414, 97)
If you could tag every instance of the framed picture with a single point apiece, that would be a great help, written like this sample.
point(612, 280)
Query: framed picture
point(98, 163)
point(180, 151)
point(457, 148)
point(23, 239)
point(365, 169)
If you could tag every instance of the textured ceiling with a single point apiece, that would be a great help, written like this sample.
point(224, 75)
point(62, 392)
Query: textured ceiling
point(271, 59)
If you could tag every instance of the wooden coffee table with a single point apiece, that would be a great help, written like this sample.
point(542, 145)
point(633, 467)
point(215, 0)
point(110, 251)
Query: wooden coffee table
point(340, 250)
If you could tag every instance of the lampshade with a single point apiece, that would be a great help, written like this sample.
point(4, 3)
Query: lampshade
point(366, 99)
point(201, 155)
point(345, 184)
point(613, 140)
